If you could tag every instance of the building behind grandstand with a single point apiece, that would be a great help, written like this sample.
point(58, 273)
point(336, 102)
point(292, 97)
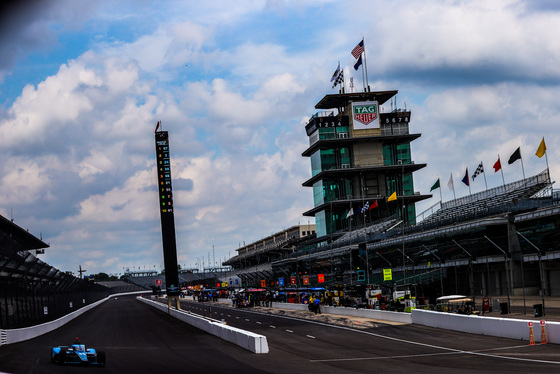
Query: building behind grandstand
point(502, 241)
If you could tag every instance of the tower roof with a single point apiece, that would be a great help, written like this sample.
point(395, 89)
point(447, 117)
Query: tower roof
point(341, 100)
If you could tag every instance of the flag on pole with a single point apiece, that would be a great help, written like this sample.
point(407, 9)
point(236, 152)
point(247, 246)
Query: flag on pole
point(436, 185)
point(358, 50)
point(358, 63)
point(157, 127)
point(450, 183)
point(373, 205)
point(466, 177)
point(335, 74)
point(339, 79)
point(393, 197)
point(366, 207)
point(515, 156)
point(541, 150)
point(479, 169)
point(350, 213)
point(497, 165)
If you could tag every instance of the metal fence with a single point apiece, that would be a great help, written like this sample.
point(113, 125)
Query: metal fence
point(24, 304)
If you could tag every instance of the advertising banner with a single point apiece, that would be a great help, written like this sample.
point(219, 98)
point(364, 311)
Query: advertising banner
point(365, 115)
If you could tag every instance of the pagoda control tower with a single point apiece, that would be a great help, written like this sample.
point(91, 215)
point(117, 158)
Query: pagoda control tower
point(360, 159)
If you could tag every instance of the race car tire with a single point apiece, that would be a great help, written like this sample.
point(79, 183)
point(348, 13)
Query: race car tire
point(101, 358)
point(61, 359)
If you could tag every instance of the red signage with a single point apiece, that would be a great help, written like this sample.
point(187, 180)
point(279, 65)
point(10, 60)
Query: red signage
point(158, 282)
point(306, 279)
point(293, 281)
point(321, 278)
point(365, 118)
point(263, 283)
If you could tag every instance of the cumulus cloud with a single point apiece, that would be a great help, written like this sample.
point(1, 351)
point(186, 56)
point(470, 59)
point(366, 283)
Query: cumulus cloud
point(77, 147)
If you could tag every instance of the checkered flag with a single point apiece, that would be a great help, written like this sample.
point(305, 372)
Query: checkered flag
point(479, 169)
point(366, 207)
point(339, 79)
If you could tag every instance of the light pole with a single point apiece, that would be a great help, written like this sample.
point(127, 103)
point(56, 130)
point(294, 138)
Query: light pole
point(540, 267)
point(440, 267)
point(506, 267)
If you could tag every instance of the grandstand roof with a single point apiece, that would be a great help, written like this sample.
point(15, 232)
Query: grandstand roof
point(341, 100)
point(15, 238)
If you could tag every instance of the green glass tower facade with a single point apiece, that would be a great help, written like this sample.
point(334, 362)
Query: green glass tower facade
point(359, 157)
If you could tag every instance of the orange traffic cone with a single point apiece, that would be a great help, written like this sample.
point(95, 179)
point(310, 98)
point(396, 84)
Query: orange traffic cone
point(543, 333)
point(531, 335)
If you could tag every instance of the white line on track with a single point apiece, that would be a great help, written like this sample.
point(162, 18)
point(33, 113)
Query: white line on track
point(290, 331)
point(247, 319)
point(433, 354)
point(258, 323)
point(450, 350)
point(310, 336)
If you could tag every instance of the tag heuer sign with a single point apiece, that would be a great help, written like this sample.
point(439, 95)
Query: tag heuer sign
point(365, 115)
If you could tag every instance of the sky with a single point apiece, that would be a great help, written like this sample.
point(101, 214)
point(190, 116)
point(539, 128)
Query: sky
point(83, 84)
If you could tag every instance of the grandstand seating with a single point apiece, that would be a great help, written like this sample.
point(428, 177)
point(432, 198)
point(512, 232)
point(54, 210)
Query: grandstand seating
point(362, 233)
point(487, 202)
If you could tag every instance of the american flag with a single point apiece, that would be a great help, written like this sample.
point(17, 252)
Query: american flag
point(358, 50)
point(479, 169)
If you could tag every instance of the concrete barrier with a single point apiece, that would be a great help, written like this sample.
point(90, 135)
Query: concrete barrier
point(253, 342)
point(383, 315)
point(491, 326)
point(17, 335)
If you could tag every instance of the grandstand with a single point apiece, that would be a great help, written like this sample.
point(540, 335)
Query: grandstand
point(491, 201)
point(483, 243)
point(208, 278)
point(32, 291)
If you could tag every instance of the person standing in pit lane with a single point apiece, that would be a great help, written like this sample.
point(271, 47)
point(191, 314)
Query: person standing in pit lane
point(317, 305)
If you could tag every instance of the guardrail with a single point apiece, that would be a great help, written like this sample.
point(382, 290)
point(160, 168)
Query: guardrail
point(384, 315)
point(253, 342)
point(17, 335)
point(491, 326)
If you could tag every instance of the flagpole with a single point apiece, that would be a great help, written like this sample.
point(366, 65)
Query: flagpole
point(363, 79)
point(522, 167)
point(468, 181)
point(502, 170)
point(440, 197)
point(365, 64)
point(486, 184)
point(452, 186)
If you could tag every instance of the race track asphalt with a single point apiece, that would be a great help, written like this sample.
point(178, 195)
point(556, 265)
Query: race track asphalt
point(138, 338)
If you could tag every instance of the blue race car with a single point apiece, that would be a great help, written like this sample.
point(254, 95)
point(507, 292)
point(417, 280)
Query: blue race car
point(77, 354)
